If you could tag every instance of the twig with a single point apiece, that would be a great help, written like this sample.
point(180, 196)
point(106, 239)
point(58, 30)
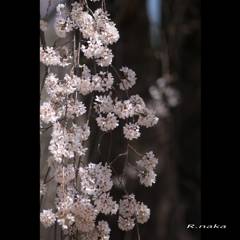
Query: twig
point(110, 147)
point(99, 142)
point(118, 156)
point(44, 181)
point(90, 109)
point(43, 40)
point(134, 150)
point(55, 231)
point(116, 71)
point(138, 233)
point(44, 80)
point(50, 179)
point(48, 7)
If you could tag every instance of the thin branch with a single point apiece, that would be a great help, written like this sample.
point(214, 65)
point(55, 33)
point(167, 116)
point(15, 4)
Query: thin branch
point(134, 150)
point(138, 233)
point(110, 147)
point(49, 180)
point(89, 9)
point(90, 109)
point(55, 231)
point(50, 126)
point(42, 38)
point(44, 181)
point(48, 7)
point(118, 156)
point(44, 80)
point(116, 71)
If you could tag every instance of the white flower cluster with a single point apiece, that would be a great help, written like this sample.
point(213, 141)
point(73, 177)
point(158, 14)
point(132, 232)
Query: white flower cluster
point(109, 109)
point(95, 179)
point(68, 142)
point(146, 167)
point(164, 96)
point(47, 218)
point(81, 208)
point(107, 123)
point(100, 232)
point(131, 211)
point(64, 175)
point(51, 57)
point(131, 131)
point(83, 189)
point(43, 25)
point(63, 24)
point(129, 79)
point(96, 28)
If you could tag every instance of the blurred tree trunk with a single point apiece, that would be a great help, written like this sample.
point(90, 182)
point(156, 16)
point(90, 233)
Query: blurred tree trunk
point(175, 198)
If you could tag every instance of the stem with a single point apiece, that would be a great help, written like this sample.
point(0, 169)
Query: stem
point(44, 79)
point(50, 179)
point(118, 156)
point(89, 9)
point(116, 71)
point(110, 147)
point(138, 233)
point(55, 231)
point(44, 181)
point(43, 40)
point(134, 150)
point(50, 126)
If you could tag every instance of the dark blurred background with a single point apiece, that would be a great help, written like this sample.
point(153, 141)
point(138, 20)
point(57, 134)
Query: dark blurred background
point(162, 39)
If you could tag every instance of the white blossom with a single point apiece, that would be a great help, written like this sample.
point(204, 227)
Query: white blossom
point(107, 123)
point(43, 25)
point(51, 57)
point(85, 85)
point(148, 119)
point(64, 216)
point(146, 167)
point(103, 104)
point(47, 218)
point(106, 29)
point(83, 192)
point(48, 113)
point(106, 58)
point(131, 131)
point(105, 204)
point(85, 215)
point(124, 109)
point(43, 188)
point(129, 79)
point(138, 104)
point(127, 206)
point(103, 230)
point(66, 142)
point(102, 81)
point(83, 20)
point(131, 210)
point(96, 50)
point(60, 7)
point(95, 178)
point(142, 213)
point(126, 224)
point(75, 108)
point(100, 232)
point(64, 175)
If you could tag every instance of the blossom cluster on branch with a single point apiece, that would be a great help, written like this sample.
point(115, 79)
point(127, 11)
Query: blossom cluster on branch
point(84, 189)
